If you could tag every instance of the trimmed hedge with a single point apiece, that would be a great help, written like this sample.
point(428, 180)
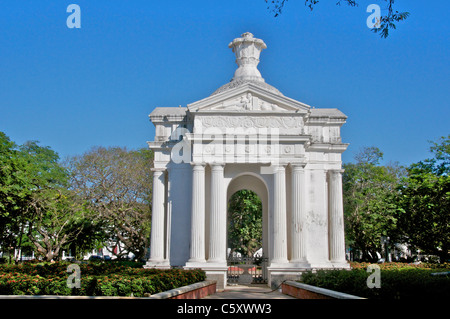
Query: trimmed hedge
point(97, 279)
point(398, 281)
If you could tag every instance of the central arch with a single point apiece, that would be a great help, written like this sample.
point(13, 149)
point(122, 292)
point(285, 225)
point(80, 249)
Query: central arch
point(253, 182)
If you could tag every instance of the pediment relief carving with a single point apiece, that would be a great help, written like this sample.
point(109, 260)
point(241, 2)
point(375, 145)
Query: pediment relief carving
point(257, 122)
point(248, 98)
point(246, 102)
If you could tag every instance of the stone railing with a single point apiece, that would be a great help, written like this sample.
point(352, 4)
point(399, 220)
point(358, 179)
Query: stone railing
point(195, 291)
point(304, 291)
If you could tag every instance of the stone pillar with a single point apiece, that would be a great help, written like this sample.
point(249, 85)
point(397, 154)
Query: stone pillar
point(279, 217)
point(298, 222)
point(218, 217)
point(336, 217)
point(197, 247)
point(158, 221)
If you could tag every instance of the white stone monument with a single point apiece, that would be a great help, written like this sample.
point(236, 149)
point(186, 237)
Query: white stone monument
point(248, 135)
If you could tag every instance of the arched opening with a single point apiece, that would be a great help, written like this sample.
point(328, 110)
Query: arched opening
point(244, 227)
point(247, 243)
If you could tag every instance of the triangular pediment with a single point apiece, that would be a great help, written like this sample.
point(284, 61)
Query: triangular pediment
point(248, 98)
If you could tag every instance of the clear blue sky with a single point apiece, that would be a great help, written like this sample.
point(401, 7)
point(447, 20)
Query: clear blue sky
point(72, 89)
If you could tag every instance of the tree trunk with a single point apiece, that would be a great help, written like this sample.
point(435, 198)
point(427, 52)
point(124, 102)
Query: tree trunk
point(20, 244)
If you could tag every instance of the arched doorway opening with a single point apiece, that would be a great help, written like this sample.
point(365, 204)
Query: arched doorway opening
point(247, 203)
point(244, 226)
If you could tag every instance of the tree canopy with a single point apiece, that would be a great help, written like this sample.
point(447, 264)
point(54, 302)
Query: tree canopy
point(424, 203)
point(116, 184)
point(35, 207)
point(97, 199)
point(409, 205)
point(369, 190)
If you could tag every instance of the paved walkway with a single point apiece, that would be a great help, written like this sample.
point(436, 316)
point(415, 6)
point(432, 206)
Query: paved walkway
point(248, 292)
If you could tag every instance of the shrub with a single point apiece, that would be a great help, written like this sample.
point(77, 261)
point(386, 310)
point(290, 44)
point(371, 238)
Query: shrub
point(97, 279)
point(398, 281)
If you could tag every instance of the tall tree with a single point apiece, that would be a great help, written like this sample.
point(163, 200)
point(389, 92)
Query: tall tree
point(14, 192)
point(425, 200)
point(245, 222)
point(34, 204)
point(116, 183)
point(51, 210)
point(369, 190)
point(58, 218)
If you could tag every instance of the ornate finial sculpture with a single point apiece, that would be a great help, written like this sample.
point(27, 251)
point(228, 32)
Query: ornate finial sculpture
point(247, 50)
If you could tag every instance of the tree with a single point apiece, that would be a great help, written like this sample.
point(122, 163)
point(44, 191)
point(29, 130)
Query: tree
point(425, 200)
point(386, 22)
point(58, 219)
point(245, 222)
point(440, 163)
point(14, 191)
point(35, 206)
point(10, 191)
point(91, 235)
point(52, 211)
point(42, 169)
point(106, 196)
point(370, 212)
point(116, 184)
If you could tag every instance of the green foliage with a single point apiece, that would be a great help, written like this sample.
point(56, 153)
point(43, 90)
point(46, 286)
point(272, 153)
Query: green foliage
point(245, 222)
point(408, 205)
point(46, 206)
point(42, 166)
point(441, 160)
point(439, 164)
point(350, 282)
point(53, 210)
point(116, 184)
point(97, 279)
point(370, 212)
point(398, 281)
point(13, 188)
point(31, 185)
point(91, 235)
point(425, 200)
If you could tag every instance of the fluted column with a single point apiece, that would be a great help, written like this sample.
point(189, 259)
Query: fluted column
point(298, 222)
point(279, 217)
point(158, 216)
point(218, 217)
point(336, 217)
point(197, 248)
